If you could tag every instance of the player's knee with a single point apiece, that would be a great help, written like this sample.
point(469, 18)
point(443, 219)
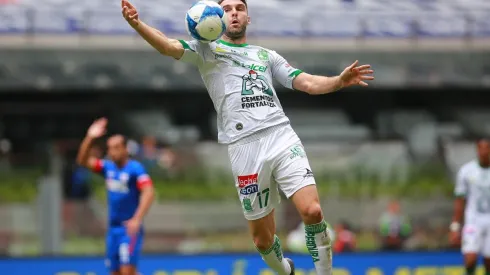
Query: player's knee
point(263, 241)
point(312, 213)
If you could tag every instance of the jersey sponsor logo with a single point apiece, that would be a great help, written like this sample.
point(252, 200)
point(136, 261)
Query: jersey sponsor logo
point(247, 180)
point(255, 67)
point(248, 184)
point(220, 50)
point(249, 189)
point(254, 83)
point(257, 90)
point(117, 186)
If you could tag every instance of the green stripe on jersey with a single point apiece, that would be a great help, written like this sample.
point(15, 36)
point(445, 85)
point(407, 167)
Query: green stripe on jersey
point(185, 45)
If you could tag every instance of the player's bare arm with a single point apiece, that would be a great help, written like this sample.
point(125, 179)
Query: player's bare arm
point(317, 85)
point(96, 130)
point(455, 227)
point(154, 37)
point(146, 200)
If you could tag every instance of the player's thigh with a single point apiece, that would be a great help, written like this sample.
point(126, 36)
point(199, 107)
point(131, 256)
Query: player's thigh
point(472, 239)
point(257, 191)
point(308, 205)
point(263, 231)
point(130, 250)
point(294, 176)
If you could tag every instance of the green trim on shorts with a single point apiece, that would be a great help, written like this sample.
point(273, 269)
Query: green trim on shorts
point(316, 228)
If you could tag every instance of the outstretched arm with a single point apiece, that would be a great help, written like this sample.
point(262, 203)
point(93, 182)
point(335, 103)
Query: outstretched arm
point(317, 85)
point(154, 37)
point(96, 130)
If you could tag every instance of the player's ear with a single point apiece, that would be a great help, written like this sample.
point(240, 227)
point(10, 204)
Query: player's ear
point(248, 20)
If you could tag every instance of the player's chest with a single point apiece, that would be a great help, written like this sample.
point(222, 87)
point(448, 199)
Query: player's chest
point(479, 182)
point(237, 59)
point(118, 181)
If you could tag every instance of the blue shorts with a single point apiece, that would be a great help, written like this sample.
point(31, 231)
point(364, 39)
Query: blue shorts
point(122, 249)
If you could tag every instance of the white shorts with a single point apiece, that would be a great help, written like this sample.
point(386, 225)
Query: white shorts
point(265, 161)
point(476, 239)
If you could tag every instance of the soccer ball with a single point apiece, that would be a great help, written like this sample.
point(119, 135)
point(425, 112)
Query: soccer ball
point(205, 21)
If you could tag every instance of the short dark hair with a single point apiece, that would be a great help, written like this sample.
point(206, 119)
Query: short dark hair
point(243, 1)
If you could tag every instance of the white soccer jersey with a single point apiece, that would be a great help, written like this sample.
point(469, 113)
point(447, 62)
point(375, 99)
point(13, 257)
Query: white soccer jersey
point(239, 81)
point(473, 183)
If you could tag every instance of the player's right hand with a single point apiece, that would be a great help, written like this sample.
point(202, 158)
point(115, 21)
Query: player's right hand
point(130, 13)
point(98, 128)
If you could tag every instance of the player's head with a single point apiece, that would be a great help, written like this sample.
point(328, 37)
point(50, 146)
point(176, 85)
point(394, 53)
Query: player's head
point(483, 148)
point(394, 206)
point(117, 148)
point(237, 15)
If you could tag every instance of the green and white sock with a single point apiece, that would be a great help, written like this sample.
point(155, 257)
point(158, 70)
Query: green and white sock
point(273, 257)
point(319, 245)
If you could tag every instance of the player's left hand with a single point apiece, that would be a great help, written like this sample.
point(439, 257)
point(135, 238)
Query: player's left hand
point(356, 75)
point(133, 226)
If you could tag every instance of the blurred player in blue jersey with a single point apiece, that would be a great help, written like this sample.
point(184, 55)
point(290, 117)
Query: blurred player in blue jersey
point(129, 195)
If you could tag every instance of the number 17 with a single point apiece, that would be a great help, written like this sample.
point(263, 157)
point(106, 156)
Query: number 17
point(264, 192)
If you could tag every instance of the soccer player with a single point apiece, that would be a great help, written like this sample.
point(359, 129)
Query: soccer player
point(129, 194)
point(265, 152)
point(473, 204)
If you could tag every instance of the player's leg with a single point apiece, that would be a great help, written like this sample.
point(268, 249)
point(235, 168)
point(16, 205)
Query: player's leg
point(486, 250)
point(268, 244)
point(259, 196)
point(471, 246)
point(112, 259)
point(128, 270)
point(294, 176)
point(129, 251)
point(486, 262)
point(318, 240)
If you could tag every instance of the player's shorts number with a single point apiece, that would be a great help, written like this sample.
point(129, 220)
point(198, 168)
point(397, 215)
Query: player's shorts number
point(263, 198)
point(124, 253)
point(483, 204)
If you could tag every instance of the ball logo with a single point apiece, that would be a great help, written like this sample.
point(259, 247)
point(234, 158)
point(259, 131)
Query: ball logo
point(247, 180)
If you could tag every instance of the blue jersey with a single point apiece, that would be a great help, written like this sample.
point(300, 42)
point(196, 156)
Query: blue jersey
point(123, 188)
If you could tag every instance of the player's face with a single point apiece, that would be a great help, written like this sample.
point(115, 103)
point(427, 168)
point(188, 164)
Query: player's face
point(116, 149)
point(237, 16)
point(484, 152)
